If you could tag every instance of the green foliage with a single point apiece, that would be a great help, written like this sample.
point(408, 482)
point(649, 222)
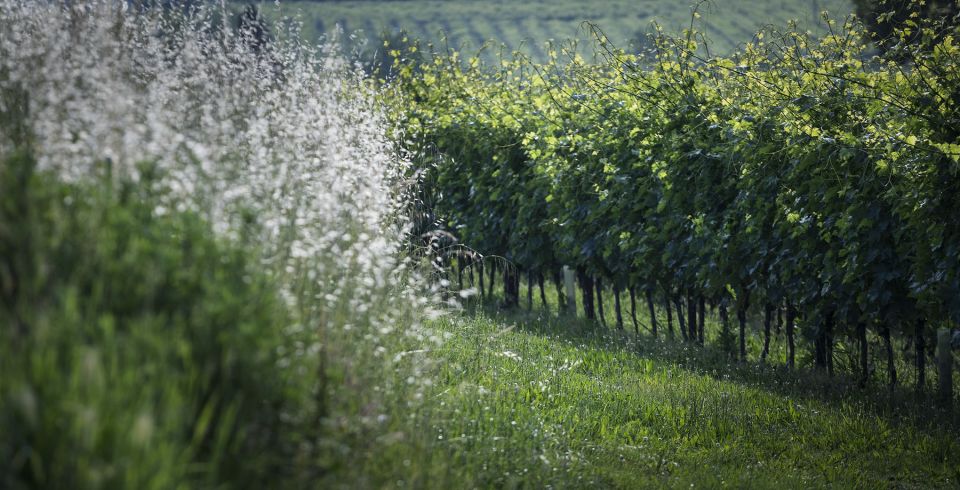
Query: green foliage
point(797, 173)
point(137, 349)
point(894, 21)
point(204, 286)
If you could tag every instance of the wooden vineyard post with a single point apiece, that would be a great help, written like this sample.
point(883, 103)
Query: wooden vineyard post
point(945, 365)
point(571, 288)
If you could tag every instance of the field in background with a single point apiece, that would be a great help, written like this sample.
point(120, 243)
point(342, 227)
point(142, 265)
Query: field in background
point(469, 23)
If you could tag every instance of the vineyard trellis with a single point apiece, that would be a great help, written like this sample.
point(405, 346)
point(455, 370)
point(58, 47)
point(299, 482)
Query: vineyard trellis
point(802, 179)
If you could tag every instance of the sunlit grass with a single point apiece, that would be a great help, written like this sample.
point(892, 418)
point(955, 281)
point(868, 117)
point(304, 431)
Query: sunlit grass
point(525, 400)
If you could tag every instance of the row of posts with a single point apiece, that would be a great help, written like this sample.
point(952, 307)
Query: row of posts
point(945, 363)
point(944, 340)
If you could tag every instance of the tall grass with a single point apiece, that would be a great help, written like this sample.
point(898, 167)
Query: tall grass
point(204, 279)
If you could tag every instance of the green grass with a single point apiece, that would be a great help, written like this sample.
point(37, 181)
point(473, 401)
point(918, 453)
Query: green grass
point(137, 350)
point(846, 360)
point(140, 350)
point(528, 400)
point(470, 23)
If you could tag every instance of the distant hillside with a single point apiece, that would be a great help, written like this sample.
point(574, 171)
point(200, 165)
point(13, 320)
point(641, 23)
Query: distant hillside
point(470, 23)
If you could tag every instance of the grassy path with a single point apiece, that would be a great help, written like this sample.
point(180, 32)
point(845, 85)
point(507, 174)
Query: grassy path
point(526, 401)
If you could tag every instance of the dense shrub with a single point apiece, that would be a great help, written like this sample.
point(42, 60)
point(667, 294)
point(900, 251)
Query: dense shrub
point(203, 272)
point(138, 350)
point(798, 177)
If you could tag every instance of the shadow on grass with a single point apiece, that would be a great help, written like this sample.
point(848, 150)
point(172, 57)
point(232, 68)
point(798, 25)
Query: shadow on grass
point(900, 406)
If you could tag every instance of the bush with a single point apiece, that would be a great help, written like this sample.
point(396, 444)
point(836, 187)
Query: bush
point(146, 341)
point(138, 350)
